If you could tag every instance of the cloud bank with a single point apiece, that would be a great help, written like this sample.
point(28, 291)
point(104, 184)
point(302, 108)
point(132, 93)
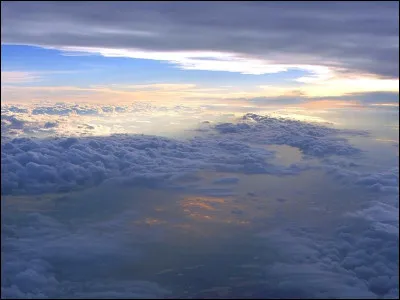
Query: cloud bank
point(32, 165)
point(358, 259)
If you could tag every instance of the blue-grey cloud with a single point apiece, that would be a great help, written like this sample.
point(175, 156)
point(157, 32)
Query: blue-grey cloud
point(385, 181)
point(359, 261)
point(366, 98)
point(279, 100)
point(50, 124)
point(49, 259)
point(226, 180)
point(357, 36)
point(372, 97)
point(59, 164)
point(311, 139)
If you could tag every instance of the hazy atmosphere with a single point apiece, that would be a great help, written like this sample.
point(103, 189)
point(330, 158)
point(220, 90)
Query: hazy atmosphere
point(199, 149)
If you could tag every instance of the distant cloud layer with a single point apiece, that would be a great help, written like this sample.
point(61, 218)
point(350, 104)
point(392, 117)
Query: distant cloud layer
point(246, 37)
point(13, 77)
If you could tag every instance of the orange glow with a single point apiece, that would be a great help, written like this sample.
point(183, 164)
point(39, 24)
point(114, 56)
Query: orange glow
point(150, 221)
point(199, 208)
point(204, 198)
point(199, 204)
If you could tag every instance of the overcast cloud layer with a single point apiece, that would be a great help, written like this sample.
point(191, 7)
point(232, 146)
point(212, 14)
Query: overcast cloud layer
point(358, 37)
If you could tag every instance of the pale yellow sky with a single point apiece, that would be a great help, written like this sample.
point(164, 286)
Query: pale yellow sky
point(17, 87)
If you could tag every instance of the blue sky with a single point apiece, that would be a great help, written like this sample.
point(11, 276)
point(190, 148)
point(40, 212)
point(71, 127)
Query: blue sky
point(93, 69)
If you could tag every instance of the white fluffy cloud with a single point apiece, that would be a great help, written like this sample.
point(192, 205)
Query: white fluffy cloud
point(70, 119)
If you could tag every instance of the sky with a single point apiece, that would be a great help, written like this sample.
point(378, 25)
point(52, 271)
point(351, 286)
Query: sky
point(197, 149)
point(167, 52)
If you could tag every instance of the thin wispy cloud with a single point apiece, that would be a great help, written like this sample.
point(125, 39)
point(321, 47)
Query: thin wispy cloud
point(12, 77)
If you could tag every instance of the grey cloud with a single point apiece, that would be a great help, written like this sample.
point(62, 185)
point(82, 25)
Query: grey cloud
point(386, 181)
point(11, 122)
point(64, 109)
point(280, 100)
point(50, 124)
point(359, 260)
point(226, 180)
point(15, 125)
point(107, 109)
point(313, 140)
point(53, 110)
point(46, 258)
point(43, 119)
point(358, 36)
point(366, 98)
point(15, 109)
point(64, 163)
point(372, 97)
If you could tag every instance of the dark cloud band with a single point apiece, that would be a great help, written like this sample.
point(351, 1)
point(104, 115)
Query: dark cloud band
point(359, 37)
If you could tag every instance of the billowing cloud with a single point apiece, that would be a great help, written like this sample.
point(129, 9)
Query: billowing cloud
point(359, 261)
point(386, 181)
point(314, 140)
point(248, 37)
point(66, 163)
point(357, 257)
point(50, 259)
point(72, 119)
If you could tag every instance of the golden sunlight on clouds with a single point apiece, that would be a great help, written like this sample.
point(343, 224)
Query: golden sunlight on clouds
point(161, 93)
point(324, 104)
point(190, 94)
point(386, 104)
point(334, 87)
point(215, 209)
point(340, 87)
